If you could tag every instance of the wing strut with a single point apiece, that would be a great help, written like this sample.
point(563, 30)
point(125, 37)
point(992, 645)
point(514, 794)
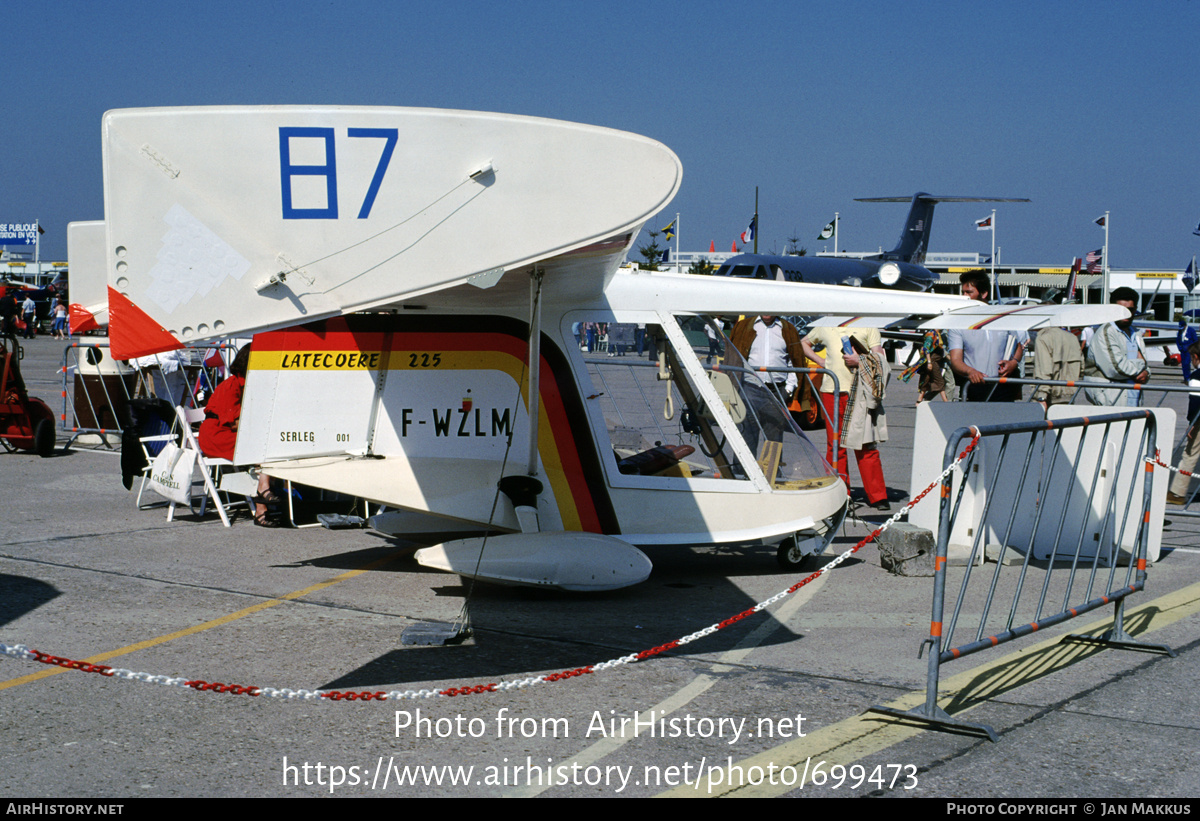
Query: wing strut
point(535, 361)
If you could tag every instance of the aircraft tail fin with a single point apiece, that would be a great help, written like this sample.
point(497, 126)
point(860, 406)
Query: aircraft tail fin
point(914, 238)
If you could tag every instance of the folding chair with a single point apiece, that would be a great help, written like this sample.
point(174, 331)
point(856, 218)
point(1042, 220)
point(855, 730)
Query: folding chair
point(210, 466)
point(145, 442)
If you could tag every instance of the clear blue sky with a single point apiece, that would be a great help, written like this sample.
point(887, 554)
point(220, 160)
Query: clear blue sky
point(1082, 107)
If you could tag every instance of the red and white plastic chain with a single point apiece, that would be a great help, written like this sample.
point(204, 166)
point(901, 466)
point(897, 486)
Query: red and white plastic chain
point(20, 651)
point(1155, 460)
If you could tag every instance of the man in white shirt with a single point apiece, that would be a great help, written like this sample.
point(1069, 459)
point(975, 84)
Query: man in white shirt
point(977, 354)
point(768, 342)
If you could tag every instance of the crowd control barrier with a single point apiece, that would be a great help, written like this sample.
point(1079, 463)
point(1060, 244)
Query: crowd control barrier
point(1084, 487)
point(1183, 511)
point(97, 389)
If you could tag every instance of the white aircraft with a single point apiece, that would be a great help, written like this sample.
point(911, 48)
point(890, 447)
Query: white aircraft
point(442, 264)
point(88, 284)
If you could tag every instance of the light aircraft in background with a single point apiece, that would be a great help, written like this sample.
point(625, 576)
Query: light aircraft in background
point(416, 281)
point(88, 303)
point(901, 269)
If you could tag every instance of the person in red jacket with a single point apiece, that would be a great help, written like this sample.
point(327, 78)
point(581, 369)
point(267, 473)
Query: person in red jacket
point(218, 431)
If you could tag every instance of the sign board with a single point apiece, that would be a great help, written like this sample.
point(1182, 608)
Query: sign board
point(18, 233)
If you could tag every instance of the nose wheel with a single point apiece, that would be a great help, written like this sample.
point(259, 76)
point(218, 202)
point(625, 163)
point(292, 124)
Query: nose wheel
point(795, 550)
point(798, 550)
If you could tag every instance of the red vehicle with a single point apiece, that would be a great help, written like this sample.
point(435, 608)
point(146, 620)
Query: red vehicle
point(26, 423)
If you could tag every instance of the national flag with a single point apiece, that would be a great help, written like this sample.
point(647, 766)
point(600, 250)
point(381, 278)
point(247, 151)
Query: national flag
point(984, 224)
point(213, 359)
point(41, 230)
point(1189, 276)
point(828, 230)
point(748, 234)
point(669, 231)
point(1093, 260)
point(1102, 221)
point(666, 256)
point(712, 246)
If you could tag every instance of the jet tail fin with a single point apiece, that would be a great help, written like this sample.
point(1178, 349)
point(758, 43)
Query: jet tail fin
point(914, 238)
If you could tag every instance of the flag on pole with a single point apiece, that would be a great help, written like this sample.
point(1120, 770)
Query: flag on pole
point(748, 234)
point(666, 256)
point(1102, 221)
point(828, 230)
point(669, 231)
point(1189, 276)
point(1093, 260)
point(984, 224)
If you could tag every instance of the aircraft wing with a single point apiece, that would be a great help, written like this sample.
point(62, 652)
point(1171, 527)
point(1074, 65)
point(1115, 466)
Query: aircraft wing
point(227, 220)
point(979, 316)
point(855, 322)
point(840, 304)
point(731, 296)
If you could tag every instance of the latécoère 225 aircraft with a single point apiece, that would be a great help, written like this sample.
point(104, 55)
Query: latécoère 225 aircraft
point(416, 281)
point(902, 268)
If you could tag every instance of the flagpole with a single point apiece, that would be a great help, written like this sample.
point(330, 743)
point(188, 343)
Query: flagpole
point(995, 291)
point(1107, 290)
point(835, 230)
point(677, 227)
point(757, 227)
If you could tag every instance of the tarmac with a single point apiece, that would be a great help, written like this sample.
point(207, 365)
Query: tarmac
point(773, 705)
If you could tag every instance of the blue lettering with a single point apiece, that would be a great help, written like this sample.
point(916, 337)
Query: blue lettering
point(390, 135)
point(328, 171)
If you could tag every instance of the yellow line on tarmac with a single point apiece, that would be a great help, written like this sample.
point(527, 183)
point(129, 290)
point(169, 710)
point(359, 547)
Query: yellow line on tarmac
point(854, 738)
point(692, 690)
point(199, 628)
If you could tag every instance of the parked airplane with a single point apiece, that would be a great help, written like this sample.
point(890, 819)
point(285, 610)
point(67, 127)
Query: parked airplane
point(900, 269)
point(443, 263)
point(88, 303)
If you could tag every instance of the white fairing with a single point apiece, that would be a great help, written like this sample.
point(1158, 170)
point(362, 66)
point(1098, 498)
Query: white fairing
point(578, 562)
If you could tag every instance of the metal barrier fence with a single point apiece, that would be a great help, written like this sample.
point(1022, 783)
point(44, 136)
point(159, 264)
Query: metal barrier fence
point(1069, 483)
point(97, 390)
point(1192, 494)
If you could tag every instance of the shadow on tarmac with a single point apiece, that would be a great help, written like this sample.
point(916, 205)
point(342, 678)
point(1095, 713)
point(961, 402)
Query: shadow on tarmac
point(523, 630)
point(20, 595)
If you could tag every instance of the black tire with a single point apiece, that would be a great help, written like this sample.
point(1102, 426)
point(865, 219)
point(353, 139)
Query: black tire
point(789, 555)
point(43, 438)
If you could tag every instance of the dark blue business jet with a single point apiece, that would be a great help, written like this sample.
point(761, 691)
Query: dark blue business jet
point(900, 269)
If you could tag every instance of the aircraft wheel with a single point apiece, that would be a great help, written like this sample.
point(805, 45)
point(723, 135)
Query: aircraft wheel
point(43, 438)
point(790, 556)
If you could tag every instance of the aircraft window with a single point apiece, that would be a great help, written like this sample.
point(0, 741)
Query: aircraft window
point(654, 425)
point(761, 272)
point(742, 271)
point(664, 428)
point(789, 459)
